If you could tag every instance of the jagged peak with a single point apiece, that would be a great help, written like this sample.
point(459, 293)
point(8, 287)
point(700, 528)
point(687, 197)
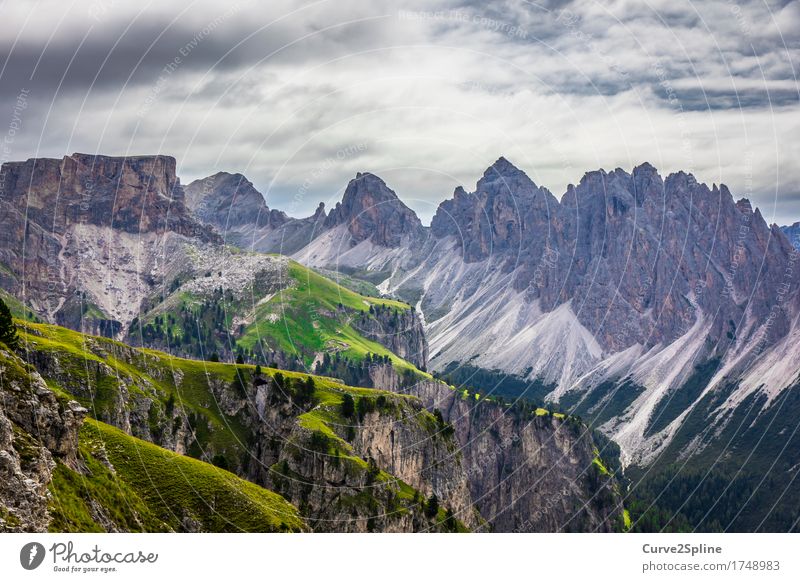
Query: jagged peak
point(682, 176)
point(320, 213)
point(367, 184)
point(371, 209)
point(744, 205)
point(645, 167)
point(234, 175)
point(502, 176)
point(501, 167)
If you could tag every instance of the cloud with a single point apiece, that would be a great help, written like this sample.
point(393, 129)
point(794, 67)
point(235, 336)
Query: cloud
point(301, 95)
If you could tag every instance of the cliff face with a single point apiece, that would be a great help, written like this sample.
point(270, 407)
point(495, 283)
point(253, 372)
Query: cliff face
point(134, 194)
point(234, 208)
point(63, 472)
point(792, 232)
point(526, 472)
point(534, 474)
point(36, 430)
point(506, 213)
point(330, 480)
point(399, 331)
point(230, 201)
point(621, 244)
point(86, 238)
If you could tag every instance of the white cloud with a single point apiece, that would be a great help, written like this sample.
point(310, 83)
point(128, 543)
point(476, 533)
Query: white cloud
point(424, 94)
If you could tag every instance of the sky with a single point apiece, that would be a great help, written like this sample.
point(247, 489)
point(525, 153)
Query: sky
point(299, 96)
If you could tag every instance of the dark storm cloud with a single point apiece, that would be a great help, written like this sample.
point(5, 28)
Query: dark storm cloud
point(699, 100)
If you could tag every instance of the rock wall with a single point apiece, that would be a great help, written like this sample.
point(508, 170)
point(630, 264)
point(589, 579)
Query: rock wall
point(36, 429)
point(526, 472)
point(400, 331)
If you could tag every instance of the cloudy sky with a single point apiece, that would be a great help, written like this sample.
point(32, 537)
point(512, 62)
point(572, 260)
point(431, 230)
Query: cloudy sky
point(300, 95)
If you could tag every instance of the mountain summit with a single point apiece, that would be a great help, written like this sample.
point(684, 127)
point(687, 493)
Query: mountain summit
point(371, 210)
point(229, 200)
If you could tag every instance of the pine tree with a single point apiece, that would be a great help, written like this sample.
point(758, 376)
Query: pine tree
point(8, 329)
point(348, 406)
point(432, 507)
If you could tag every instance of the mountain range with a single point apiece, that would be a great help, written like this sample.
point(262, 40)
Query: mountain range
point(659, 310)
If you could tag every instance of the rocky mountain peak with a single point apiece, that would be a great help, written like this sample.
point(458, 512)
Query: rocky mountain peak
point(503, 176)
point(227, 200)
point(502, 167)
point(319, 213)
point(496, 217)
point(371, 210)
point(744, 206)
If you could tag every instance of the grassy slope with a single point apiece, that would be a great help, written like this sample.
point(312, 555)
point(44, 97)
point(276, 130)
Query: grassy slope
point(303, 317)
point(76, 351)
point(152, 489)
point(16, 306)
point(308, 318)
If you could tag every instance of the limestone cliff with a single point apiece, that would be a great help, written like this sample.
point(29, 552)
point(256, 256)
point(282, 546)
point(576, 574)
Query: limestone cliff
point(36, 430)
point(526, 471)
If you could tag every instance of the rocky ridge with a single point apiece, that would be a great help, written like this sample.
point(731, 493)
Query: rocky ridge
point(629, 279)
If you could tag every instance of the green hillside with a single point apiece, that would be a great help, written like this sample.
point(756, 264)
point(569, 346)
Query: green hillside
point(153, 489)
point(207, 406)
point(299, 314)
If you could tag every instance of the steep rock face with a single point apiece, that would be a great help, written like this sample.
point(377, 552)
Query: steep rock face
point(792, 232)
point(36, 429)
point(238, 211)
point(133, 194)
point(637, 256)
point(371, 211)
point(399, 441)
point(427, 460)
point(399, 331)
point(128, 402)
point(687, 250)
point(527, 473)
point(85, 238)
point(371, 473)
point(229, 201)
point(501, 216)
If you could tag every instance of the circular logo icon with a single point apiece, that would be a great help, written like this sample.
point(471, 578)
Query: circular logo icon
point(31, 555)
